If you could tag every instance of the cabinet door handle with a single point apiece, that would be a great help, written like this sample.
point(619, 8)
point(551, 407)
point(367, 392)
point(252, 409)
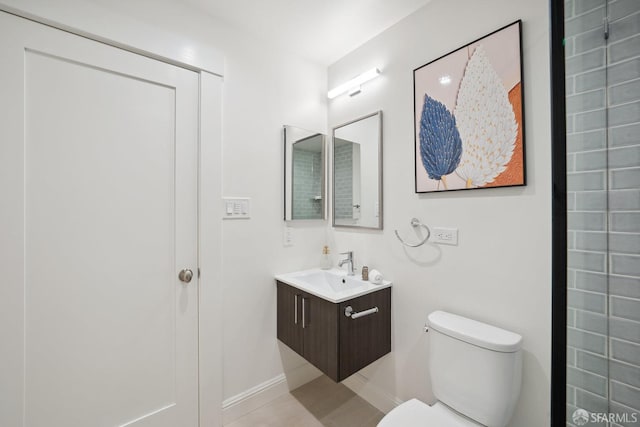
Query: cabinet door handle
point(304, 317)
point(348, 311)
point(295, 309)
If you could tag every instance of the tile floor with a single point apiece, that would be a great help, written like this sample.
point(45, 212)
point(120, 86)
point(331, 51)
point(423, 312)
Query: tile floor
point(318, 403)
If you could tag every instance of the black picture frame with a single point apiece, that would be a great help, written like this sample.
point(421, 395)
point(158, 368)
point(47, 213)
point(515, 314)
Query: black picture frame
point(450, 98)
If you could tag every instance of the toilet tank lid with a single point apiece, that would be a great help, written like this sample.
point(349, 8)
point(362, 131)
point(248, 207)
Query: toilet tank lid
point(474, 332)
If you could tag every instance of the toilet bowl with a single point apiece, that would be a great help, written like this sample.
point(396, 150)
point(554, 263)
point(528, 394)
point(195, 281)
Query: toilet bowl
point(476, 374)
point(415, 413)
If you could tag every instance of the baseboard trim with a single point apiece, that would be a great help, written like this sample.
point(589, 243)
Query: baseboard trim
point(359, 384)
point(255, 397)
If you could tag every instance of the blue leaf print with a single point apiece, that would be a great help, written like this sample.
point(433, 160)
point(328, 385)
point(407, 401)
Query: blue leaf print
point(440, 143)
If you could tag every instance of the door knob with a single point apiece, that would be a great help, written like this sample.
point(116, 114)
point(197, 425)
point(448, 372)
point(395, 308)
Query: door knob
point(185, 275)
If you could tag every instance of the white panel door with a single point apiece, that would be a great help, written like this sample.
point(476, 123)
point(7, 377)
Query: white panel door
point(98, 214)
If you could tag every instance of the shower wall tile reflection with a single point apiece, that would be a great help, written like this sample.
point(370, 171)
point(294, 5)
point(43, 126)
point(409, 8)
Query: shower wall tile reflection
point(307, 184)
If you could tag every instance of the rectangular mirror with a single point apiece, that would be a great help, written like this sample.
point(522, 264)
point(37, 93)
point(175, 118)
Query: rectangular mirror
point(304, 174)
point(357, 173)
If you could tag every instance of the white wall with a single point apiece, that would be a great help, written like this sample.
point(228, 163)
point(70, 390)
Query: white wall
point(263, 90)
point(500, 271)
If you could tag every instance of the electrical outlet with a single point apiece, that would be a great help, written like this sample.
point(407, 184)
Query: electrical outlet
point(288, 236)
point(444, 236)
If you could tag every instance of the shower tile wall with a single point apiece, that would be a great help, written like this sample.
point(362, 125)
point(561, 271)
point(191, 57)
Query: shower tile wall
point(307, 178)
point(343, 182)
point(603, 180)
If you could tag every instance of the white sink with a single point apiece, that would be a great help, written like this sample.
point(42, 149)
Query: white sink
point(332, 285)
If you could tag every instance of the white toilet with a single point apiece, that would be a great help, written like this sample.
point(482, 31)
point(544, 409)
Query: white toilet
point(476, 372)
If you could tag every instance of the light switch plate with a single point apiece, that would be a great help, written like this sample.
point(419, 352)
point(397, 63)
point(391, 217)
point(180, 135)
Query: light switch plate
point(444, 236)
point(236, 208)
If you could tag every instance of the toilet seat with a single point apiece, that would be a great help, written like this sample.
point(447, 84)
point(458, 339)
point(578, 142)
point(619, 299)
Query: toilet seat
point(414, 413)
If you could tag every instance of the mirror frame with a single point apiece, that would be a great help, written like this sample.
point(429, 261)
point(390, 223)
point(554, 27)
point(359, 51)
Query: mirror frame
point(288, 156)
point(380, 181)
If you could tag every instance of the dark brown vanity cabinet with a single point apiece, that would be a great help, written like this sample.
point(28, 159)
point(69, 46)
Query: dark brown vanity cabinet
point(319, 330)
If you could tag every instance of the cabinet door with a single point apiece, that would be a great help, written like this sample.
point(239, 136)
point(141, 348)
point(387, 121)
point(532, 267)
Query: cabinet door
point(321, 334)
point(289, 328)
point(366, 338)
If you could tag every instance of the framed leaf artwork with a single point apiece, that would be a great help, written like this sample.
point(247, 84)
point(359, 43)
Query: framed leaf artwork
point(469, 116)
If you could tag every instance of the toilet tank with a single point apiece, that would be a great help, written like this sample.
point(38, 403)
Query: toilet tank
point(475, 368)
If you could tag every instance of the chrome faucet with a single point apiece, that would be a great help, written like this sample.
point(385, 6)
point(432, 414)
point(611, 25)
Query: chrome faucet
point(348, 259)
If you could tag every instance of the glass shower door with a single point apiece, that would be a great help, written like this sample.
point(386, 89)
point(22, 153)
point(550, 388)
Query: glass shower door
point(602, 67)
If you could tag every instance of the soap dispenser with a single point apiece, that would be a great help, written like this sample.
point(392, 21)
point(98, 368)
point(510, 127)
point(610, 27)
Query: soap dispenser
point(325, 262)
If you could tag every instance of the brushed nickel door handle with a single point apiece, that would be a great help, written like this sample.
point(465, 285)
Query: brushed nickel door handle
point(185, 275)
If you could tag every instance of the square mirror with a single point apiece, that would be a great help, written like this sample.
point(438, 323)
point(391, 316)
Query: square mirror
point(357, 173)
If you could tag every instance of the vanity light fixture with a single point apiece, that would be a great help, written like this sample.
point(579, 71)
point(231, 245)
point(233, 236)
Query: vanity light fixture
point(353, 85)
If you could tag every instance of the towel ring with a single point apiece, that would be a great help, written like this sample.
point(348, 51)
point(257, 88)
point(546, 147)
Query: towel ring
point(415, 222)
